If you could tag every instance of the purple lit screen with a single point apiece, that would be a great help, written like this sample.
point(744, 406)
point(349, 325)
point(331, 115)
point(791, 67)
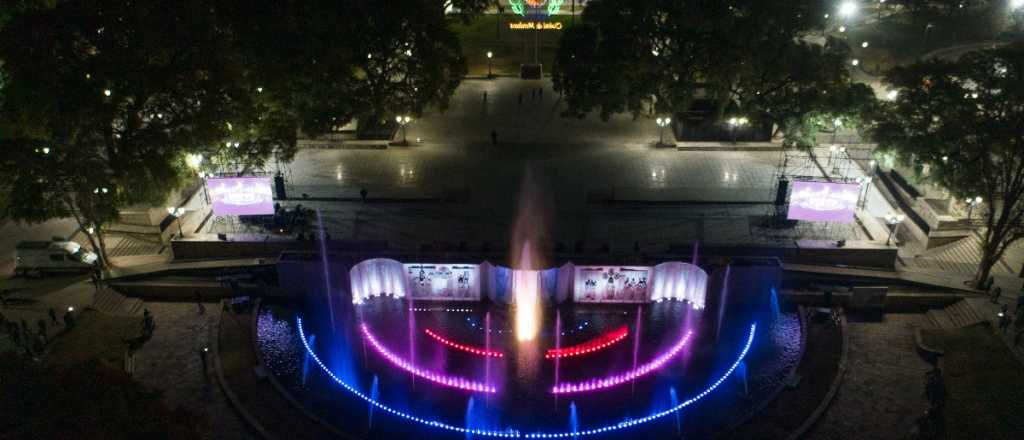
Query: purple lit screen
point(823, 202)
point(241, 195)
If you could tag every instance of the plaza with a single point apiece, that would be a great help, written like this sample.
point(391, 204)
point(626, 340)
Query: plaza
point(515, 219)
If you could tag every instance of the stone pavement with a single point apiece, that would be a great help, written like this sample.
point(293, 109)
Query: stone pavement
point(170, 362)
point(883, 391)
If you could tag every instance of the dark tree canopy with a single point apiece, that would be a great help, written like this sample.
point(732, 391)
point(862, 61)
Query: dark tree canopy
point(86, 400)
point(752, 57)
point(964, 120)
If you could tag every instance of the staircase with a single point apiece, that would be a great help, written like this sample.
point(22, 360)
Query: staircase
point(960, 314)
point(113, 303)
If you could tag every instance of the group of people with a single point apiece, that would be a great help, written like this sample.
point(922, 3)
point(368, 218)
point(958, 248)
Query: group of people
point(34, 341)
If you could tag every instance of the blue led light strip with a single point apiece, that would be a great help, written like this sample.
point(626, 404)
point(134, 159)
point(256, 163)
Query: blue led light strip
point(517, 434)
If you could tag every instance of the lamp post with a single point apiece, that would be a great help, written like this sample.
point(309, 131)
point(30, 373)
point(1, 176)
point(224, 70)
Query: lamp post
point(403, 121)
point(490, 59)
point(736, 122)
point(894, 221)
point(847, 10)
point(971, 203)
point(662, 123)
point(177, 212)
point(865, 182)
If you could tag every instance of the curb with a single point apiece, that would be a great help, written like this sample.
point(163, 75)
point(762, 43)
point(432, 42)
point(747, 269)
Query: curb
point(236, 404)
point(833, 390)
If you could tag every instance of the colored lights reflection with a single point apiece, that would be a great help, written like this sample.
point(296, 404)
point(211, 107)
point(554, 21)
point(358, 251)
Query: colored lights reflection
point(512, 433)
point(465, 348)
point(610, 381)
point(455, 382)
point(590, 346)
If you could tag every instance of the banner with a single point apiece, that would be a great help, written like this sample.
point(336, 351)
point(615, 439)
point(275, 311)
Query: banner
point(611, 284)
point(823, 202)
point(446, 282)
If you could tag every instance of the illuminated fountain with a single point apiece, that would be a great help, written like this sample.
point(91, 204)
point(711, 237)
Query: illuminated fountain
point(618, 342)
point(526, 232)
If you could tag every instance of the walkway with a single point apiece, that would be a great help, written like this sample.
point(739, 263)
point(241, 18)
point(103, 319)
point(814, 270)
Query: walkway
point(883, 390)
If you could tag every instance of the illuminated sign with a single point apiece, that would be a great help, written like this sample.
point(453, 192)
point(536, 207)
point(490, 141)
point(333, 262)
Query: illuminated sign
point(535, 7)
point(241, 195)
point(535, 25)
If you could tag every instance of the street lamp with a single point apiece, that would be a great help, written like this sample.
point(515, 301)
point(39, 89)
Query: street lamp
point(662, 123)
point(403, 121)
point(971, 203)
point(736, 122)
point(490, 59)
point(894, 221)
point(177, 212)
point(847, 9)
point(865, 183)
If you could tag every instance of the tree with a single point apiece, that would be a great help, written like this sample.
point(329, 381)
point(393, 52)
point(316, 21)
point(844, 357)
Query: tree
point(86, 400)
point(411, 59)
point(105, 103)
point(965, 120)
point(750, 57)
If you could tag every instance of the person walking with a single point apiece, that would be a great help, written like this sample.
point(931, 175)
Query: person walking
point(1004, 322)
point(485, 96)
point(363, 193)
point(202, 357)
point(540, 93)
point(494, 137)
point(520, 98)
point(53, 315)
point(996, 293)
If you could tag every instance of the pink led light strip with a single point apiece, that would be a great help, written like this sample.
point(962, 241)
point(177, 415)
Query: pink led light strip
point(610, 381)
point(590, 346)
point(465, 348)
point(455, 382)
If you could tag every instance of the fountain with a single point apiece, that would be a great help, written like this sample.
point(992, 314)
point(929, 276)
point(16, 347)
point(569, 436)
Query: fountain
point(723, 300)
point(305, 360)
point(469, 418)
point(675, 402)
point(374, 394)
point(741, 374)
point(527, 231)
point(773, 307)
point(327, 275)
point(636, 345)
point(558, 346)
point(574, 422)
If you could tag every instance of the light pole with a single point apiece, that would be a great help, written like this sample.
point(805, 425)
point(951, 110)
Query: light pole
point(893, 220)
point(736, 122)
point(971, 203)
point(865, 183)
point(403, 121)
point(662, 123)
point(177, 212)
point(490, 59)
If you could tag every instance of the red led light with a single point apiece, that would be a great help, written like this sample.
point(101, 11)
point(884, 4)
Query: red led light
point(462, 347)
point(590, 346)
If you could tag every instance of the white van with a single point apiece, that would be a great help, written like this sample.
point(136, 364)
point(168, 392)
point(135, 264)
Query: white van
point(38, 257)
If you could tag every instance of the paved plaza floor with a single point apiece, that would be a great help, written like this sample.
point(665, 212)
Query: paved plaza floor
point(714, 196)
point(882, 393)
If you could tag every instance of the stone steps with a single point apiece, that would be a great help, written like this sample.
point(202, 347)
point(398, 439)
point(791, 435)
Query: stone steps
point(111, 302)
point(959, 314)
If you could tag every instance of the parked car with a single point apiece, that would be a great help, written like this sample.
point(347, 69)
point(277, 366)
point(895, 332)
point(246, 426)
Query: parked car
point(39, 257)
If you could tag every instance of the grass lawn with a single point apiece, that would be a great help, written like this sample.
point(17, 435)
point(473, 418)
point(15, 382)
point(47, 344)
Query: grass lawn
point(984, 384)
point(96, 336)
point(511, 48)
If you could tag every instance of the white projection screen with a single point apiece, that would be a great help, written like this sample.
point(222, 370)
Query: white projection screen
point(611, 284)
point(443, 282)
point(823, 201)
